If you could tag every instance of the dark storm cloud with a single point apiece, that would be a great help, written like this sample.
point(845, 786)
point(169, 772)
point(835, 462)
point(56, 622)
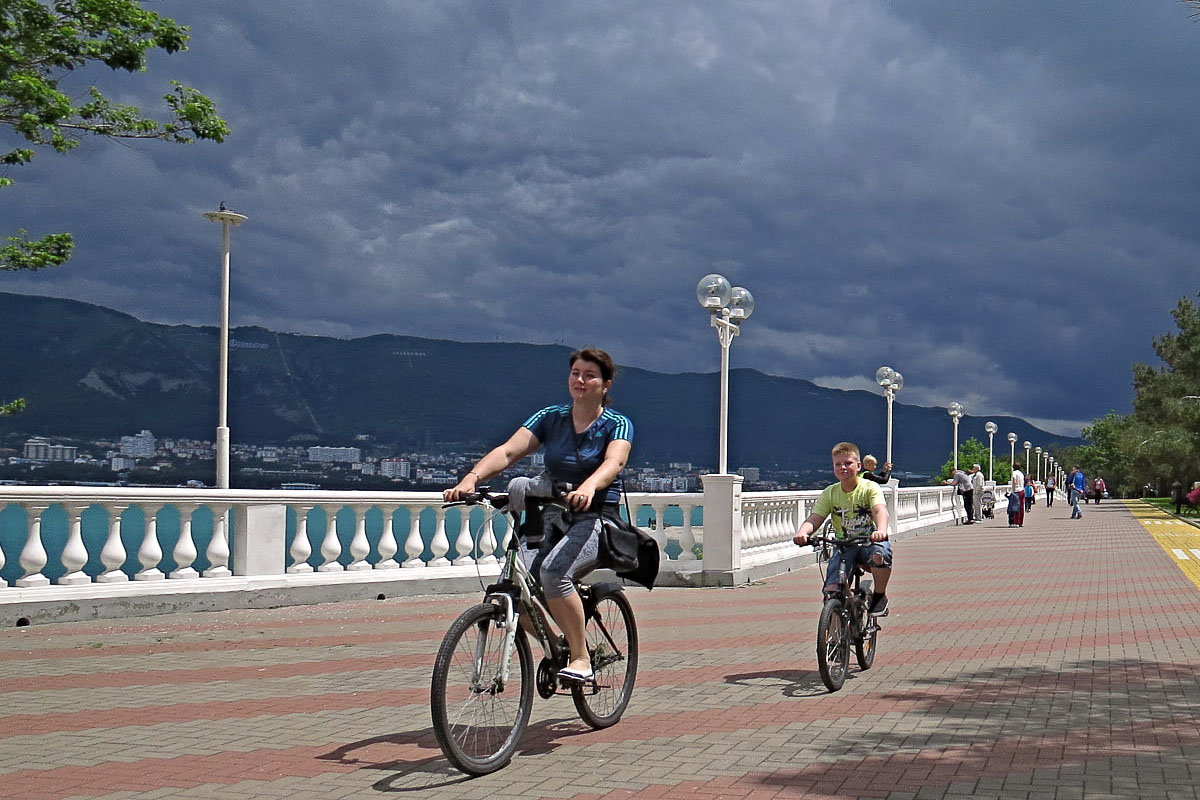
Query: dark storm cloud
point(996, 198)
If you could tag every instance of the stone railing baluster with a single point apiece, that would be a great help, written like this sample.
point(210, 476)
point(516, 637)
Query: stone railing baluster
point(464, 543)
point(687, 538)
point(33, 554)
point(487, 540)
point(185, 549)
point(301, 548)
point(113, 554)
point(218, 547)
point(388, 546)
point(360, 548)
point(150, 552)
point(74, 554)
point(331, 547)
point(414, 546)
point(440, 544)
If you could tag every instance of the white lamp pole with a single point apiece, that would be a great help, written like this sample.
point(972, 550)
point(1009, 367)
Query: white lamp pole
point(728, 307)
point(1028, 470)
point(1037, 451)
point(955, 410)
point(991, 429)
point(227, 219)
point(892, 382)
point(1012, 452)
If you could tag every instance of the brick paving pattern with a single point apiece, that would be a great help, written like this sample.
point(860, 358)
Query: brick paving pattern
point(1060, 660)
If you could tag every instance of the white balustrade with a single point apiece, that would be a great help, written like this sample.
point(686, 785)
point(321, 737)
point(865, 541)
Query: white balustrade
point(768, 521)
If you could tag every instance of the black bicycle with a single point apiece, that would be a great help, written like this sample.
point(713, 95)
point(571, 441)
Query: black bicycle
point(845, 617)
point(481, 695)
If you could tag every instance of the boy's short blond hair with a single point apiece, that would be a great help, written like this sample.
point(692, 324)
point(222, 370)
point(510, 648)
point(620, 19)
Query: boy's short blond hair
point(846, 447)
point(869, 461)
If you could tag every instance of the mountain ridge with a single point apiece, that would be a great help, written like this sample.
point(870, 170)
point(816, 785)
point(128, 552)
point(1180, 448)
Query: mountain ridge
point(91, 371)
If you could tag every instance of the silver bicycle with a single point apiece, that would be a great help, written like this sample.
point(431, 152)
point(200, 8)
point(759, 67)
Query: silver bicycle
point(481, 695)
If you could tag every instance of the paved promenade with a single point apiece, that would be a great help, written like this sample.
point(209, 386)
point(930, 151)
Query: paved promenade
point(1059, 660)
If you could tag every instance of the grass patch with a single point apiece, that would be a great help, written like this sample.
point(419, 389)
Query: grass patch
point(1166, 505)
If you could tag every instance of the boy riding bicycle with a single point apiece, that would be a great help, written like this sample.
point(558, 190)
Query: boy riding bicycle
point(858, 509)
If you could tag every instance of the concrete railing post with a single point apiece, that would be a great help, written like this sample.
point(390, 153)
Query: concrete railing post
point(260, 539)
point(722, 523)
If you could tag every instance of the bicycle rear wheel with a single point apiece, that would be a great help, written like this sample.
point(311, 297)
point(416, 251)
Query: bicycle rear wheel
point(612, 644)
point(833, 645)
point(478, 717)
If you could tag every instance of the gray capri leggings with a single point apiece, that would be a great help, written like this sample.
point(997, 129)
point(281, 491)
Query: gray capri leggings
point(574, 556)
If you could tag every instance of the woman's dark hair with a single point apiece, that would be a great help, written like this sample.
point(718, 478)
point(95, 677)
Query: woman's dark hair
point(608, 368)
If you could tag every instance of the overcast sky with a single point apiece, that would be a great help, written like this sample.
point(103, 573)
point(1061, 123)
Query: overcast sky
point(996, 197)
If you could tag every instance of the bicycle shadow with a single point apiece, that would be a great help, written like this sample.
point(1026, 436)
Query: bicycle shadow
point(792, 682)
point(409, 774)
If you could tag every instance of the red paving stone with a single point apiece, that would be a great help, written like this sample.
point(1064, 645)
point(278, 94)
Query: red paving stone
point(991, 676)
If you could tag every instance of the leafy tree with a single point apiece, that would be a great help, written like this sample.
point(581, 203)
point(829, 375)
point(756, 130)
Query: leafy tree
point(1163, 436)
point(972, 451)
point(43, 42)
point(13, 407)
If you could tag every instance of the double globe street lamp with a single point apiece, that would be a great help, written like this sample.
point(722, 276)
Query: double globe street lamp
point(1037, 451)
point(1012, 450)
point(956, 412)
point(892, 382)
point(1028, 469)
point(728, 307)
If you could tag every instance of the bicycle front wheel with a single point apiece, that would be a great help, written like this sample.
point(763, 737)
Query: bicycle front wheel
point(864, 648)
point(833, 645)
point(478, 716)
point(612, 644)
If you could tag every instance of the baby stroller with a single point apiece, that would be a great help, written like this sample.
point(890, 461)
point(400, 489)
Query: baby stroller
point(987, 503)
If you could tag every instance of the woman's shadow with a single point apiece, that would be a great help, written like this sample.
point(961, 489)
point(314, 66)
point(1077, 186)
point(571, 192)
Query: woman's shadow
point(434, 771)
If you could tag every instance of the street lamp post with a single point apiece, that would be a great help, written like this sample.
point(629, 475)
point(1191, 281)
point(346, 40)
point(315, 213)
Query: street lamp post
point(1026, 445)
point(991, 429)
point(892, 382)
point(1012, 453)
point(728, 307)
point(228, 219)
point(1038, 452)
point(955, 410)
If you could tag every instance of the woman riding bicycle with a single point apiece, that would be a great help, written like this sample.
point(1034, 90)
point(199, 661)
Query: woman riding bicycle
point(586, 445)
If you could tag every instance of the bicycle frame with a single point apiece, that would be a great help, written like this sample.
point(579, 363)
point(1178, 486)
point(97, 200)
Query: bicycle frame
point(518, 593)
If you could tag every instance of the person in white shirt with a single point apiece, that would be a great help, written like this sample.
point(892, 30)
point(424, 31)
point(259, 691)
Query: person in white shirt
point(1016, 497)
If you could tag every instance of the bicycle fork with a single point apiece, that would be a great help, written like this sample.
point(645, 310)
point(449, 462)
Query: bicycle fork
point(509, 626)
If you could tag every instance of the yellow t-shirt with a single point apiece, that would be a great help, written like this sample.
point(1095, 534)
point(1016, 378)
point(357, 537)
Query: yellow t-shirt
point(851, 512)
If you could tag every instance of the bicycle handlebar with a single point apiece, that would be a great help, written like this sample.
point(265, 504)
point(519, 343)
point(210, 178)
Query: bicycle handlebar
point(558, 491)
point(853, 540)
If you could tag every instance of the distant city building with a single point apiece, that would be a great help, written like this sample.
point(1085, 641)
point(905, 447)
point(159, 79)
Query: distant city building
point(682, 466)
point(142, 445)
point(395, 468)
point(749, 473)
point(343, 455)
point(121, 463)
point(538, 459)
point(40, 449)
